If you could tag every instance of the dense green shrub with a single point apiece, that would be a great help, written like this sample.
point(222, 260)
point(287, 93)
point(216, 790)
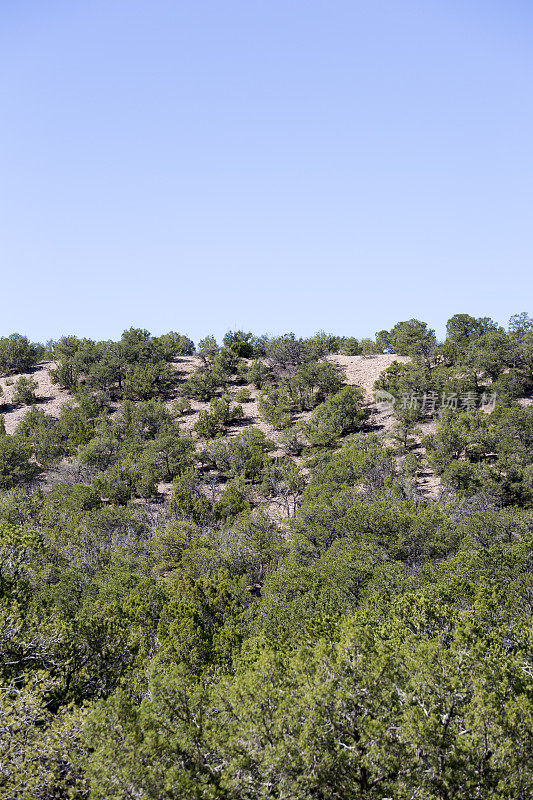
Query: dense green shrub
point(341, 413)
point(242, 455)
point(16, 466)
point(275, 405)
point(241, 343)
point(258, 374)
point(24, 391)
point(18, 354)
point(221, 413)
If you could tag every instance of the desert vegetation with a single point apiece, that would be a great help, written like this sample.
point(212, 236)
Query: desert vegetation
point(268, 567)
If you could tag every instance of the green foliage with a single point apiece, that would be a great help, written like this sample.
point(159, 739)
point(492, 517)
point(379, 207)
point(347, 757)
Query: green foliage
point(429, 703)
point(258, 374)
point(274, 404)
point(313, 382)
point(405, 431)
point(176, 344)
point(36, 747)
point(181, 406)
point(18, 354)
point(79, 421)
point(16, 466)
point(244, 455)
point(384, 342)
point(136, 368)
point(208, 349)
point(241, 343)
point(284, 482)
point(368, 347)
point(242, 395)
point(291, 441)
point(231, 503)
point(275, 626)
point(509, 386)
point(341, 413)
point(525, 354)
point(66, 375)
point(286, 353)
point(475, 452)
point(413, 338)
point(143, 381)
point(491, 353)
point(227, 361)
point(207, 426)
point(43, 435)
point(169, 455)
point(169, 544)
point(350, 346)
point(100, 452)
point(221, 413)
point(24, 391)
point(186, 501)
point(204, 385)
point(321, 345)
point(197, 626)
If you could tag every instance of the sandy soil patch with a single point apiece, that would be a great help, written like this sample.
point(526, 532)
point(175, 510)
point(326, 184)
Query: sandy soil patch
point(363, 371)
point(525, 401)
point(51, 397)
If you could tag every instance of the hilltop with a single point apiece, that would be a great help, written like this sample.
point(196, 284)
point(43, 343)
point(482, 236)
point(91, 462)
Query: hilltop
point(295, 396)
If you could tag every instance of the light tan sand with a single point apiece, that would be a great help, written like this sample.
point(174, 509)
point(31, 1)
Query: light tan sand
point(51, 398)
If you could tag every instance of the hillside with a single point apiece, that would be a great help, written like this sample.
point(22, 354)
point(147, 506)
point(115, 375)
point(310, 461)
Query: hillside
point(50, 397)
point(360, 371)
point(272, 567)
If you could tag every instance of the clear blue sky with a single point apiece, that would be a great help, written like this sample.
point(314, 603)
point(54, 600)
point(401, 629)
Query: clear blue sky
point(270, 165)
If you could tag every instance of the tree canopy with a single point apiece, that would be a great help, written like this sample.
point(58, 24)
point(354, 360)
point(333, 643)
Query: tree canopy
point(202, 603)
